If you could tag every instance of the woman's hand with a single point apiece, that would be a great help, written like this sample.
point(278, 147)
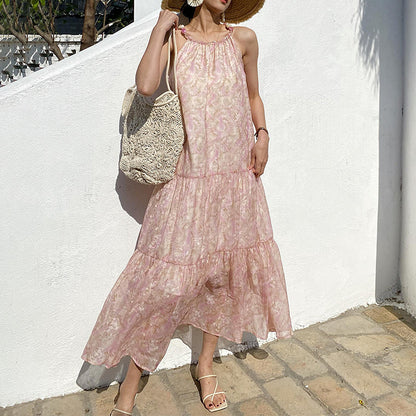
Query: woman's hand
point(259, 154)
point(166, 21)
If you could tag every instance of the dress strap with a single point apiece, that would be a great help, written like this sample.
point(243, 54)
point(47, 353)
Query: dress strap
point(183, 31)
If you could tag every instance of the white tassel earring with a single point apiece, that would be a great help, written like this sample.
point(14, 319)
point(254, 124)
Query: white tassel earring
point(223, 17)
point(194, 3)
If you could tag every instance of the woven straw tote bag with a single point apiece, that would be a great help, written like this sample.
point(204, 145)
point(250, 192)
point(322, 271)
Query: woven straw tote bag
point(153, 133)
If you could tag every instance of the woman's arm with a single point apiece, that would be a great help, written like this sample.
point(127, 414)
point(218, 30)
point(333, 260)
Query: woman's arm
point(153, 62)
point(249, 48)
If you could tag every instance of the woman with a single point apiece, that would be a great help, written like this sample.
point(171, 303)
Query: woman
point(206, 256)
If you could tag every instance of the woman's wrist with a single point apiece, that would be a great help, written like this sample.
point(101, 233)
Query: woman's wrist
point(261, 132)
point(159, 31)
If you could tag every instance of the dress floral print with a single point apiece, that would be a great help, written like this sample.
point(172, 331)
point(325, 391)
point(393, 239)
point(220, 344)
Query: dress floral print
point(206, 255)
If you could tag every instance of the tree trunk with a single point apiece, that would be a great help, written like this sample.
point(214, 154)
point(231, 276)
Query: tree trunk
point(89, 32)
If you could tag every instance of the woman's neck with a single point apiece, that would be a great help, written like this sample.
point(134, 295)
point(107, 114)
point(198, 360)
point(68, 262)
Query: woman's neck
point(205, 21)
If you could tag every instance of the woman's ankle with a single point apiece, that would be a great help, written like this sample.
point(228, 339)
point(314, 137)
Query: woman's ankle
point(126, 401)
point(128, 391)
point(205, 361)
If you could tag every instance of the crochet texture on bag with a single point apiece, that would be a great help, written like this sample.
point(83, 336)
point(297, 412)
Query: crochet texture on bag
point(153, 137)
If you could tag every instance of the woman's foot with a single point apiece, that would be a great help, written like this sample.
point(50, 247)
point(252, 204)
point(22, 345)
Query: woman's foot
point(208, 385)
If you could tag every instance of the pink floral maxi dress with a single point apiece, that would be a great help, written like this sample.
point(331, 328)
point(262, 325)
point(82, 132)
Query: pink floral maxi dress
point(206, 255)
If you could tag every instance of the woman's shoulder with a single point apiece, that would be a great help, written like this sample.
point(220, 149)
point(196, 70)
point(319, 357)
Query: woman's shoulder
point(244, 34)
point(246, 39)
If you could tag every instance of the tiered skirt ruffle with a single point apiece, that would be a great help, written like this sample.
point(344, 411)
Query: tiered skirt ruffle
point(206, 256)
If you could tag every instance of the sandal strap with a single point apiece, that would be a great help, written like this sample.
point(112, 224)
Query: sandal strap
point(121, 411)
point(209, 375)
point(216, 386)
point(212, 394)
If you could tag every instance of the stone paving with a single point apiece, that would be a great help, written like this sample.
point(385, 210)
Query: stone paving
point(361, 363)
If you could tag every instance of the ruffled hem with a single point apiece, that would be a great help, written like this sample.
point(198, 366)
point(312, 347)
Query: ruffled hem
point(279, 335)
point(224, 294)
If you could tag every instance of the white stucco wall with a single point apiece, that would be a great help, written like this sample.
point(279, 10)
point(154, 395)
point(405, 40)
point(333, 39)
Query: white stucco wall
point(408, 246)
point(144, 8)
point(71, 221)
point(389, 50)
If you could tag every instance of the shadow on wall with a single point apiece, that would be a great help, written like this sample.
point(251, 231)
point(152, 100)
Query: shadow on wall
point(134, 196)
point(379, 29)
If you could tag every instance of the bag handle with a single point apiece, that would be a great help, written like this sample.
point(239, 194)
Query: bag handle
point(130, 93)
point(175, 53)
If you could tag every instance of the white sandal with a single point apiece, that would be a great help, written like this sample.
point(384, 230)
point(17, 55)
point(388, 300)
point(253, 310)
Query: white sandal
point(213, 409)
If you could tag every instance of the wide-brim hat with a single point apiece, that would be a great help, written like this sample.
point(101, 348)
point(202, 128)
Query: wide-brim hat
point(238, 11)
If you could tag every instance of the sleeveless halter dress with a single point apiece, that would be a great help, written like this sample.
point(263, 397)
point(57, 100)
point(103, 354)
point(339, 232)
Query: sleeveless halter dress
point(205, 255)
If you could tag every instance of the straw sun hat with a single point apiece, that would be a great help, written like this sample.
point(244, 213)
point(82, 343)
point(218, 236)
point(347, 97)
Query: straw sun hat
point(237, 11)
